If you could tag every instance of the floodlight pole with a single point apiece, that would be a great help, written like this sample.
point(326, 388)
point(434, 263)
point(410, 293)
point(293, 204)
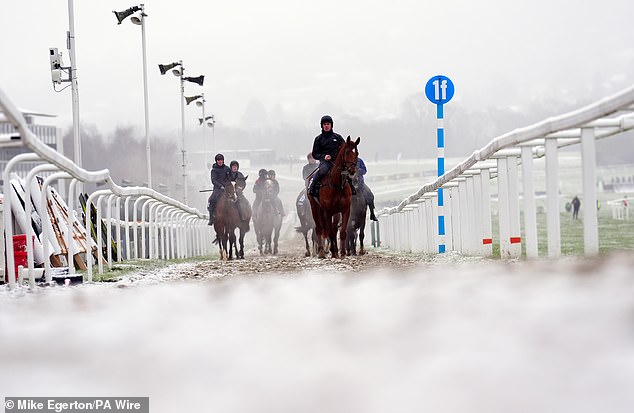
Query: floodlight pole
point(73, 82)
point(148, 153)
point(183, 134)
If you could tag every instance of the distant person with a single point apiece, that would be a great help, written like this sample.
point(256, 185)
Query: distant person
point(576, 204)
point(219, 178)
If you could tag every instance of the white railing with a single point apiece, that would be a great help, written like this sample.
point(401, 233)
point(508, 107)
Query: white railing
point(170, 222)
point(412, 225)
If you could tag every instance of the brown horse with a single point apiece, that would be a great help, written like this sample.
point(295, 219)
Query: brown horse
point(335, 197)
point(245, 217)
point(226, 220)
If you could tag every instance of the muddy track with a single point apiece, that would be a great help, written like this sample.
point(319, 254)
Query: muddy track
point(291, 260)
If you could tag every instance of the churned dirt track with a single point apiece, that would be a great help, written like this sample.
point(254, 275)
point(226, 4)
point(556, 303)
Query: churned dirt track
point(291, 260)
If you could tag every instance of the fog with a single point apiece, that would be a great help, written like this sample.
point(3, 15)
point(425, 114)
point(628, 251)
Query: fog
point(274, 68)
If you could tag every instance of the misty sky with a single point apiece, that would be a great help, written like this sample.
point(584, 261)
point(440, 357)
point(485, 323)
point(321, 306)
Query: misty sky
point(291, 61)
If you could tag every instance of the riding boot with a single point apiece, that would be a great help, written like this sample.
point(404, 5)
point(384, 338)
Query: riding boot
point(313, 190)
point(354, 191)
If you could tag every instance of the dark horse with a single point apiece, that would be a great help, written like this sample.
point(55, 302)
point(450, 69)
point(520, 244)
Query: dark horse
point(226, 220)
point(335, 197)
point(267, 220)
point(306, 222)
point(358, 211)
point(244, 214)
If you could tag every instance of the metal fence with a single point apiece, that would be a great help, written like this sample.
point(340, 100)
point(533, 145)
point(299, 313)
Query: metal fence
point(413, 224)
point(166, 228)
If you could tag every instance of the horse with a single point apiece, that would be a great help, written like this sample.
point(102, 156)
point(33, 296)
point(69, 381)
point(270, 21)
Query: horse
point(268, 221)
point(226, 220)
point(244, 214)
point(307, 224)
point(358, 211)
point(335, 196)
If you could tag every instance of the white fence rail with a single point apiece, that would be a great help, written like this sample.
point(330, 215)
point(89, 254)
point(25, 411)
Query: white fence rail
point(174, 229)
point(412, 225)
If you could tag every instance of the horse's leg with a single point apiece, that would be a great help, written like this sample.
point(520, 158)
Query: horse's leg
point(268, 242)
point(307, 253)
point(331, 222)
point(361, 237)
point(277, 237)
point(241, 255)
point(232, 244)
point(345, 216)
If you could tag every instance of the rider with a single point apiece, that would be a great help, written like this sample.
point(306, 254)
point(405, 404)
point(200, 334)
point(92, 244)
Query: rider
point(365, 190)
point(258, 189)
point(219, 178)
point(307, 172)
point(277, 204)
point(236, 176)
point(325, 149)
point(310, 167)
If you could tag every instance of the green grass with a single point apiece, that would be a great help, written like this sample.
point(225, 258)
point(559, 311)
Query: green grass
point(614, 235)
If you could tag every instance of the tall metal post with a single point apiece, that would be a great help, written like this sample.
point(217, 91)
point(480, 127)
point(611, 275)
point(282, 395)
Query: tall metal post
point(73, 80)
point(183, 134)
point(148, 155)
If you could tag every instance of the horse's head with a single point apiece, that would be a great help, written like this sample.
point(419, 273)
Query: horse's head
point(269, 189)
point(240, 184)
point(348, 155)
point(230, 191)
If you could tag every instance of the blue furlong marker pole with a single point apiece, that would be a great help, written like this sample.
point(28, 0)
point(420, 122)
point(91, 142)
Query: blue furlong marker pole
point(440, 136)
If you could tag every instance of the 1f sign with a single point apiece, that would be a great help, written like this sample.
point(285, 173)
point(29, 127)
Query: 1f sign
point(439, 89)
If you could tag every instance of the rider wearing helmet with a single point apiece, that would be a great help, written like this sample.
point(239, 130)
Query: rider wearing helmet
point(219, 178)
point(235, 175)
point(325, 149)
point(241, 182)
point(258, 189)
point(277, 204)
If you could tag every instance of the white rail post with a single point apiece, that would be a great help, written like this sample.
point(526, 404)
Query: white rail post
point(514, 208)
point(464, 216)
point(552, 199)
point(8, 215)
point(27, 212)
point(472, 217)
point(117, 207)
point(530, 217)
point(126, 219)
point(590, 219)
point(477, 185)
point(503, 208)
point(487, 231)
point(44, 202)
point(449, 214)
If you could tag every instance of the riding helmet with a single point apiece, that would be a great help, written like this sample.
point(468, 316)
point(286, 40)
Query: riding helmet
point(234, 163)
point(326, 118)
point(219, 156)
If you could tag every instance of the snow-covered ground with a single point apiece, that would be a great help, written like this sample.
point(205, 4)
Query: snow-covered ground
point(403, 334)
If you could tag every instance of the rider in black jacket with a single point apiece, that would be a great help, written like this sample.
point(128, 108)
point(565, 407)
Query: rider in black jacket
point(219, 178)
point(325, 149)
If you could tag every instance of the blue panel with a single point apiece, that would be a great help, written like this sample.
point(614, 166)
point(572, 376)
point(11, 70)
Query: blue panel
point(441, 137)
point(441, 166)
point(441, 225)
